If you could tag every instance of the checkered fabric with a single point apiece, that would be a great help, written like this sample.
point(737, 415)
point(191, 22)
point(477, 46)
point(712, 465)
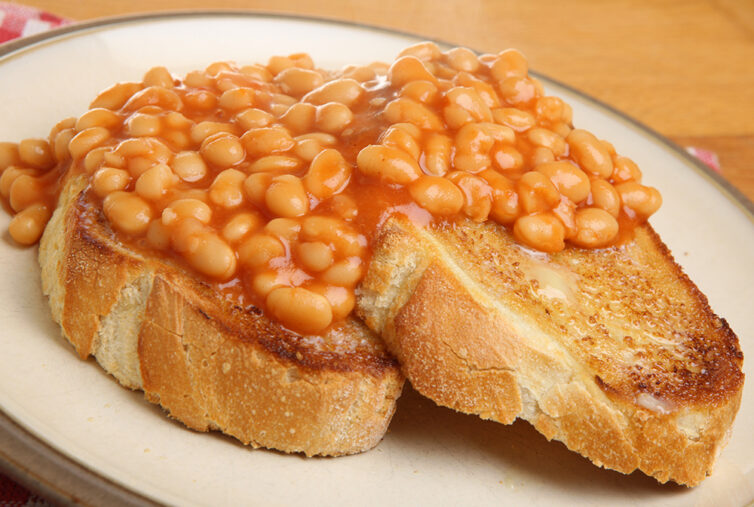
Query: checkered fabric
point(20, 21)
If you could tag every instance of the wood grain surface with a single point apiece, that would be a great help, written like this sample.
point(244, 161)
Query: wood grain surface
point(685, 68)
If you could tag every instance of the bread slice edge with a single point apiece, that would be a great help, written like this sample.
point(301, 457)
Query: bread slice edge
point(154, 329)
point(461, 349)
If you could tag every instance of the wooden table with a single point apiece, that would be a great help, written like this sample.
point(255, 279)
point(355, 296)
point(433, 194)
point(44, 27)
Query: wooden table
point(685, 68)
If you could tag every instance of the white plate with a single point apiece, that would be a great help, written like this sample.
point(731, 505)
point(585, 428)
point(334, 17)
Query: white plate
point(431, 456)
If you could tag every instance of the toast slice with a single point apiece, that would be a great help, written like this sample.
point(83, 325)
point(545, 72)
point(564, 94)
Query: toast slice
point(155, 326)
point(614, 352)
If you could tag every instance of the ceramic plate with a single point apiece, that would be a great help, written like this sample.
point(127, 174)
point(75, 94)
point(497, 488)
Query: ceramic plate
point(88, 436)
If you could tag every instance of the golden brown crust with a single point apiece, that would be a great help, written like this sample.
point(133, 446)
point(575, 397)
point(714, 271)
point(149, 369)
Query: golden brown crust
point(614, 352)
point(211, 364)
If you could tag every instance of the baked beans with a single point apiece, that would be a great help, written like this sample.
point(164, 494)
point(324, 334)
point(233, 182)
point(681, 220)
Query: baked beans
point(271, 179)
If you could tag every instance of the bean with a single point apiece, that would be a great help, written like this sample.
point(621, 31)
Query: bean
point(405, 110)
point(181, 209)
point(341, 299)
point(284, 228)
point(426, 51)
point(518, 91)
point(127, 212)
point(212, 256)
point(223, 151)
point(399, 137)
point(507, 158)
point(477, 195)
point(8, 155)
point(300, 117)
point(468, 99)
point(205, 129)
point(542, 231)
point(141, 125)
point(639, 199)
point(200, 100)
point(158, 236)
point(253, 118)
point(237, 99)
point(425, 92)
point(344, 273)
point(550, 109)
point(266, 141)
point(98, 117)
point(241, 225)
point(328, 174)
point(275, 164)
point(154, 96)
point(297, 82)
point(333, 117)
point(517, 119)
point(255, 187)
point(509, 63)
point(36, 153)
point(589, 153)
point(258, 250)
point(25, 190)
point(299, 309)
point(87, 139)
point(389, 164)
point(437, 152)
point(506, 205)
point(265, 282)
point(314, 255)
point(227, 190)
point(547, 139)
point(154, 182)
point(345, 91)
point(462, 59)
point(9, 176)
point(605, 196)
point(406, 69)
point(596, 228)
point(109, 179)
point(189, 166)
point(286, 197)
point(437, 195)
point(537, 192)
point(626, 170)
point(114, 97)
point(27, 226)
point(570, 181)
point(344, 206)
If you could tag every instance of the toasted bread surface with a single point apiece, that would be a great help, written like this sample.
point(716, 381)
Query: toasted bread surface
point(212, 365)
point(614, 352)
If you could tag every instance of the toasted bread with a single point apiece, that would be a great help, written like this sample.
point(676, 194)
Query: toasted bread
point(155, 326)
point(614, 352)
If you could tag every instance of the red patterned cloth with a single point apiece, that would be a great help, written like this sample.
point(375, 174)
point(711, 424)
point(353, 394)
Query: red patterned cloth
point(13, 495)
point(20, 21)
point(706, 157)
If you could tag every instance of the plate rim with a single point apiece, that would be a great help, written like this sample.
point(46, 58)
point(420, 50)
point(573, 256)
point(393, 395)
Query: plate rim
point(61, 478)
point(56, 476)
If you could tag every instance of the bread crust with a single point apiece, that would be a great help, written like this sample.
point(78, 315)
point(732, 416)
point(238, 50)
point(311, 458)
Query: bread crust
point(212, 365)
point(643, 376)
